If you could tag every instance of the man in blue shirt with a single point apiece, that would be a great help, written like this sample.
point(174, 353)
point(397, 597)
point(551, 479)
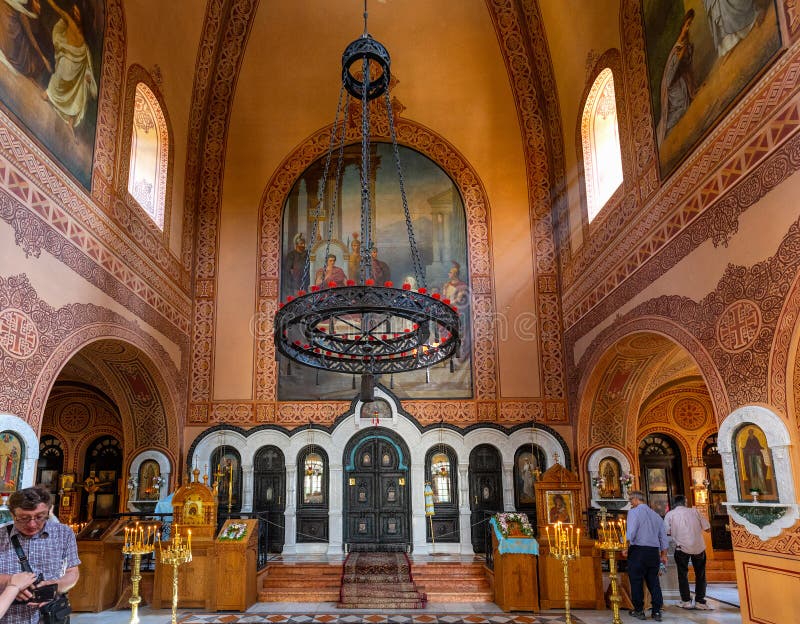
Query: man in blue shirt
point(647, 549)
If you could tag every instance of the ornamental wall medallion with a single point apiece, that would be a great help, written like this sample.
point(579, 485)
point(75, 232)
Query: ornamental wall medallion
point(738, 325)
point(18, 335)
point(689, 414)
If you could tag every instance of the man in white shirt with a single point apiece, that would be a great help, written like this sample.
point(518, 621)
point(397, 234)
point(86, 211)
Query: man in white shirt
point(686, 527)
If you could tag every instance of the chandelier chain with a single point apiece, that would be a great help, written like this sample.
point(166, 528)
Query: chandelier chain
point(415, 259)
point(366, 208)
point(321, 191)
point(339, 166)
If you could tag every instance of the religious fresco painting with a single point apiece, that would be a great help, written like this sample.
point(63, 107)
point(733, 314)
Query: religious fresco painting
point(755, 471)
point(11, 455)
point(701, 55)
point(439, 224)
point(527, 469)
point(50, 61)
point(149, 471)
point(609, 470)
point(560, 507)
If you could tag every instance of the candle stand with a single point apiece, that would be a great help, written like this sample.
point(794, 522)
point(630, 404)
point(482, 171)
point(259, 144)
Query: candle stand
point(564, 547)
point(612, 541)
point(138, 541)
point(177, 552)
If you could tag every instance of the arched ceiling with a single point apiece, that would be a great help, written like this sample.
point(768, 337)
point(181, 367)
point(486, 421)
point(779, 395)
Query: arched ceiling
point(127, 378)
point(447, 56)
point(635, 369)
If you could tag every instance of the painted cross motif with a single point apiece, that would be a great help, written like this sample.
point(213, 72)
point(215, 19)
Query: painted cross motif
point(18, 335)
point(738, 325)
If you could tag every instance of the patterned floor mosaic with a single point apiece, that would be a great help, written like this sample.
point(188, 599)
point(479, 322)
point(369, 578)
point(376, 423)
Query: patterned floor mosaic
point(322, 618)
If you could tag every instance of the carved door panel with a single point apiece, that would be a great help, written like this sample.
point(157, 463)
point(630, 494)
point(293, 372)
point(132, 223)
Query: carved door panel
point(485, 491)
point(269, 495)
point(377, 504)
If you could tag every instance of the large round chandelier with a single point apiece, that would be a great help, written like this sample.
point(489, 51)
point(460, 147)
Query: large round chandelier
point(364, 327)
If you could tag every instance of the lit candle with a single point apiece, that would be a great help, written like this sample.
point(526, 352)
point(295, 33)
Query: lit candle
point(190, 540)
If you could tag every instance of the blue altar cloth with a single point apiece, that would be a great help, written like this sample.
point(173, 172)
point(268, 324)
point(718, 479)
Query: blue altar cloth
point(514, 545)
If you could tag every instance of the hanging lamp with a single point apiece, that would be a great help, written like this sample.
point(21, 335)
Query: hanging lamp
point(363, 327)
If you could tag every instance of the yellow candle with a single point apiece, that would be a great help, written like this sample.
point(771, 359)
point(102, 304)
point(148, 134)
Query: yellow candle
point(190, 540)
point(578, 542)
point(549, 543)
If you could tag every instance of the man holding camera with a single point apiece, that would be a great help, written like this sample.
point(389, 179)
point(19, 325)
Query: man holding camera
point(50, 549)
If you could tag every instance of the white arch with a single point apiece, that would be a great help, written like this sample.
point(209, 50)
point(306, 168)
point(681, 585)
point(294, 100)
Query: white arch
point(9, 422)
point(334, 444)
point(779, 443)
point(164, 467)
point(593, 467)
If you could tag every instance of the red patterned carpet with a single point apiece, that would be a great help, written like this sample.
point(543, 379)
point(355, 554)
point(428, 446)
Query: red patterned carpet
point(379, 580)
point(325, 618)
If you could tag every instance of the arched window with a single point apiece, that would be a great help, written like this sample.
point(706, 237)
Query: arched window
point(441, 470)
point(149, 158)
point(602, 156)
point(312, 495)
point(440, 477)
point(313, 473)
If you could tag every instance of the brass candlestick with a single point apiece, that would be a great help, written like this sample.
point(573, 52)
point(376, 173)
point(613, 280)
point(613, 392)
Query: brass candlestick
point(138, 541)
point(564, 547)
point(177, 552)
point(612, 540)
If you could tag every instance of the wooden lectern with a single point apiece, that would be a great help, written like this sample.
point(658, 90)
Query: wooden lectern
point(100, 553)
point(515, 574)
point(559, 499)
point(237, 559)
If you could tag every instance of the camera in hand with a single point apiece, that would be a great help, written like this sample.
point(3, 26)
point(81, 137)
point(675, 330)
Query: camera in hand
point(45, 593)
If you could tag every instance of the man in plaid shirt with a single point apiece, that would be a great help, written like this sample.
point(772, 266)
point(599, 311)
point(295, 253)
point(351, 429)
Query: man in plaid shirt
point(50, 547)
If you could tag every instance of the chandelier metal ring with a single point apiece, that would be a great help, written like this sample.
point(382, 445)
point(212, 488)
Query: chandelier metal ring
point(367, 329)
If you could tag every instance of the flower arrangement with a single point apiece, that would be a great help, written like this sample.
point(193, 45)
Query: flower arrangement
point(626, 480)
point(598, 482)
point(234, 532)
point(505, 519)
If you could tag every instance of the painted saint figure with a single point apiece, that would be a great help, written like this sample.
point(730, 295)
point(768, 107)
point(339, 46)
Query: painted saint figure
point(730, 21)
point(457, 291)
point(330, 273)
point(380, 270)
point(21, 37)
point(677, 82)
point(754, 465)
point(72, 84)
point(558, 510)
point(354, 261)
point(293, 267)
